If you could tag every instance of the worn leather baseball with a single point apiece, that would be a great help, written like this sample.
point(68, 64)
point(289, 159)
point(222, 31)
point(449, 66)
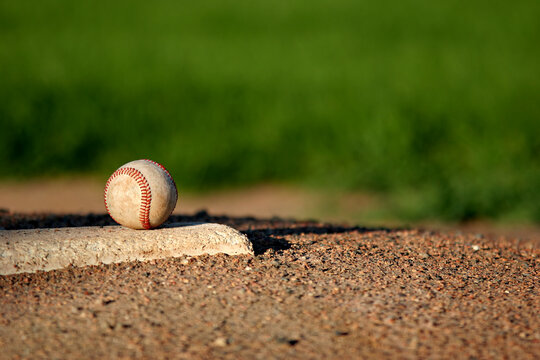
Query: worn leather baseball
point(140, 194)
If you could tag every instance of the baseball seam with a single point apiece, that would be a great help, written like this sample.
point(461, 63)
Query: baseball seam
point(146, 194)
point(168, 174)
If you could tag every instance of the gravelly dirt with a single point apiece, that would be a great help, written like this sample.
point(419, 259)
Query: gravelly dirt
point(312, 291)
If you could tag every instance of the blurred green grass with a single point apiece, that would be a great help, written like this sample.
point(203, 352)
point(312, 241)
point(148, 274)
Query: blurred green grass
point(435, 104)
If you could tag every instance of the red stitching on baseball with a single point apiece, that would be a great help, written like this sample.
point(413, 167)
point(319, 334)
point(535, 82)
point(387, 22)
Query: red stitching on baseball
point(146, 194)
point(168, 174)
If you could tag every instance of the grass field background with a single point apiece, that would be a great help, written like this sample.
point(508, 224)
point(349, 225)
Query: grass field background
point(436, 105)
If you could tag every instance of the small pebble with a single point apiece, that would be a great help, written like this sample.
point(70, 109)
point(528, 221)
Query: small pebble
point(220, 341)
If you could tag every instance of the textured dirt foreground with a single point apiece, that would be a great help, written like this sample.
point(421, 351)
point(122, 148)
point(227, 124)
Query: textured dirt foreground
point(312, 291)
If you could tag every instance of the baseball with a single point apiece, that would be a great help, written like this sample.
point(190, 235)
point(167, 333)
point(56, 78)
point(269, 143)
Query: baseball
point(140, 194)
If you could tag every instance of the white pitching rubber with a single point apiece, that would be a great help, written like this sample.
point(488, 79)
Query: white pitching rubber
point(24, 251)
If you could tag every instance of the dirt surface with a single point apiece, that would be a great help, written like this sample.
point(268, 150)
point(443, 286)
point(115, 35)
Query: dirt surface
point(85, 195)
point(312, 290)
